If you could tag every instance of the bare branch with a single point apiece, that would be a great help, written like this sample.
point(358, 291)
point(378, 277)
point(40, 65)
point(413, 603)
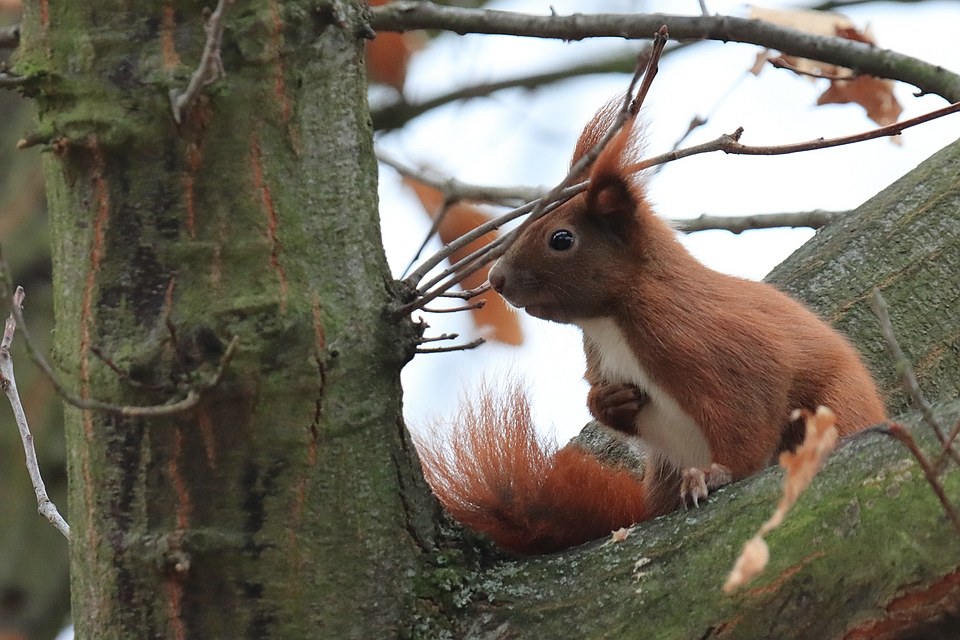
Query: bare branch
point(860, 57)
point(45, 506)
point(208, 71)
point(397, 114)
point(10, 37)
point(453, 189)
point(460, 347)
point(439, 338)
point(898, 432)
point(738, 224)
point(730, 143)
point(479, 304)
point(469, 294)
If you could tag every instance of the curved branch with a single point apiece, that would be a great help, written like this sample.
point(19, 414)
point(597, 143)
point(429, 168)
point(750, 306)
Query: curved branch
point(860, 57)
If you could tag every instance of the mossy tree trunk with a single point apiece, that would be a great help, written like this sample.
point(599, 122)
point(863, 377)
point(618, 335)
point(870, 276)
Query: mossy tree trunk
point(288, 503)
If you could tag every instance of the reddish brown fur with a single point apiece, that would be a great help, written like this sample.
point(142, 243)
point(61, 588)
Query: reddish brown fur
point(493, 475)
point(736, 355)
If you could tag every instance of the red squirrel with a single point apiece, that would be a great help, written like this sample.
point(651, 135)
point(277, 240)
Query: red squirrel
point(704, 368)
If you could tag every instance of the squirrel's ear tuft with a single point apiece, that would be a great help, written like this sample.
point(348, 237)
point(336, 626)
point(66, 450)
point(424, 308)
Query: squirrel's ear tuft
point(610, 198)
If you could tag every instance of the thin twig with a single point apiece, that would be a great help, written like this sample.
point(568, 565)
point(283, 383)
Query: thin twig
point(738, 224)
point(730, 143)
point(780, 63)
point(439, 338)
point(460, 347)
point(45, 506)
point(89, 404)
point(469, 294)
point(208, 71)
point(417, 274)
point(948, 446)
point(395, 115)
point(479, 304)
point(703, 8)
point(123, 374)
point(907, 378)
point(453, 189)
point(897, 431)
point(860, 57)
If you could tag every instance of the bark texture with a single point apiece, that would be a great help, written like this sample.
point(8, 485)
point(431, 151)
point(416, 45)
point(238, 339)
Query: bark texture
point(288, 503)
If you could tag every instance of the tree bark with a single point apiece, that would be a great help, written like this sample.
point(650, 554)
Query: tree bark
point(289, 502)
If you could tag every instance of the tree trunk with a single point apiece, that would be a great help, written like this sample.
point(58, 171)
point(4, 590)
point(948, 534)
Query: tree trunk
point(288, 503)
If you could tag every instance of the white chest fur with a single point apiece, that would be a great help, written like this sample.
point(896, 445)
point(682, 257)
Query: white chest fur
point(664, 426)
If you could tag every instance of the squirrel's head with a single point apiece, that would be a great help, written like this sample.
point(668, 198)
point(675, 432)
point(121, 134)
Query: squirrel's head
point(579, 261)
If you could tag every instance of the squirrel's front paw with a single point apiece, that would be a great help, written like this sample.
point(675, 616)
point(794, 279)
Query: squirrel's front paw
point(617, 405)
point(696, 484)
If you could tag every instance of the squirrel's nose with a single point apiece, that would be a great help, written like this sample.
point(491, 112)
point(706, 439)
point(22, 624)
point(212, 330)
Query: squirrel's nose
point(497, 279)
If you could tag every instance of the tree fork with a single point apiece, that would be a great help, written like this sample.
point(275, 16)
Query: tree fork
point(289, 502)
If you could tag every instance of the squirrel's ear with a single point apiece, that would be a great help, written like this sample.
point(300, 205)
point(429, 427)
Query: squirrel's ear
point(612, 205)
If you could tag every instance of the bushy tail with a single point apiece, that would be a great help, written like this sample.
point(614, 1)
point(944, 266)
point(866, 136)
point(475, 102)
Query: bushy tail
point(492, 474)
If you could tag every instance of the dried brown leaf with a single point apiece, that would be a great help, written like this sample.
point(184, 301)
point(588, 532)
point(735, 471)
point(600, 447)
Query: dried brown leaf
point(751, 563)
point(873, 94)
point(801, 466)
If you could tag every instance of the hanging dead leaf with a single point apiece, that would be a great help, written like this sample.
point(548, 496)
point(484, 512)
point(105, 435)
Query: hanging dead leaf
point(873, 94)
point(801, 466)
point(495, 316)
point(389, 54)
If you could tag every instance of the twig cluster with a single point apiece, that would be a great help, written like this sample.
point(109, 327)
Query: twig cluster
point(45, 506)
point(440, 284)
point(932, 469)
point(208, 71)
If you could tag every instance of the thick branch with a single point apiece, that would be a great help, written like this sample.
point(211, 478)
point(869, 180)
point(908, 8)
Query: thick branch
point(860, 57)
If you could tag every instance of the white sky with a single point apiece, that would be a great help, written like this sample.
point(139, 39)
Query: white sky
point(524, 137)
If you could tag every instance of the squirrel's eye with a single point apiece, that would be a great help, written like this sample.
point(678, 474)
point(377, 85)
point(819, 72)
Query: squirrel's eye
point(561, 240)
